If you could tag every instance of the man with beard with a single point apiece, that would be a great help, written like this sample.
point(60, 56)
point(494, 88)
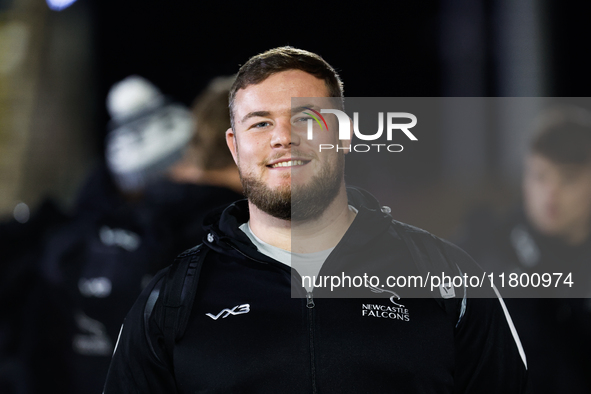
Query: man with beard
point(231, 316)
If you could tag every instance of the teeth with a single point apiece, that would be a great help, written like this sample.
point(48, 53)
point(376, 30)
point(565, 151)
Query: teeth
point(288, 163)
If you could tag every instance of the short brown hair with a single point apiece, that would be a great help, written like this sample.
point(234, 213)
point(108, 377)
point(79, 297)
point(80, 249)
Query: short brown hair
point(210, 110)
point(262, 66)
point(563, 135)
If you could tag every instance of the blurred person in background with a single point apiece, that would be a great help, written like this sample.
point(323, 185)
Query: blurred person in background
point(206, 177)
point(550, 232)
point(28, 302)
point(136, 214)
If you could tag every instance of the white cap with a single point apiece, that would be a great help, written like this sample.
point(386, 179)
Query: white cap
point(148, 134)
point(131, 96)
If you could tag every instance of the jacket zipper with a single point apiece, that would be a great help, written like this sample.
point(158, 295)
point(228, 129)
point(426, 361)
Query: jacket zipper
point(310, 300)
point(310, 305)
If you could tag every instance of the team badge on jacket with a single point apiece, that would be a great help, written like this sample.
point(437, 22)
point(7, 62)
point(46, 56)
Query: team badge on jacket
point(396, 311)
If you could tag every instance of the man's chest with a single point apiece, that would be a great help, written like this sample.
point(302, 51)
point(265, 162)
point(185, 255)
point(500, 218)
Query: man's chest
point(252, 338)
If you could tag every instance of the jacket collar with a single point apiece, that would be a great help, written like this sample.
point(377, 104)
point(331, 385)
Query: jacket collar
point(224, 233)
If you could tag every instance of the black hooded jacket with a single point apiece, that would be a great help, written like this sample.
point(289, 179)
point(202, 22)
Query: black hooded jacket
point(247, 334)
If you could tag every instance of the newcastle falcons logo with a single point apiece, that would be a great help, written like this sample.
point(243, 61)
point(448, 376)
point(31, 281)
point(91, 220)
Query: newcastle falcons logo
point(397, 312)
point(237, 310)
point(392, 298)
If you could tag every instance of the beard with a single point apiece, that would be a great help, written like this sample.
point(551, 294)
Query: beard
point(297, 203)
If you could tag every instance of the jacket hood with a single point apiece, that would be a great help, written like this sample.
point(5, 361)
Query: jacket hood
point(224, 234)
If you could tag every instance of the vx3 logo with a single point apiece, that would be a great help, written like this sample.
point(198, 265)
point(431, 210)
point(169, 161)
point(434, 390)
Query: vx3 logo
point(237, 310)
point(345, 124)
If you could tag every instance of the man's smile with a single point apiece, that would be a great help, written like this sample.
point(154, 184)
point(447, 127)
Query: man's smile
point(288, 163)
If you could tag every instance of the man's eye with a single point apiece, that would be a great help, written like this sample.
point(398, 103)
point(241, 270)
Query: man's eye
point(260, 125)
point(301, 119)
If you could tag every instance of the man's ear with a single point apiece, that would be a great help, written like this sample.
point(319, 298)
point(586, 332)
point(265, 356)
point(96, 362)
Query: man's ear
point(231, 141)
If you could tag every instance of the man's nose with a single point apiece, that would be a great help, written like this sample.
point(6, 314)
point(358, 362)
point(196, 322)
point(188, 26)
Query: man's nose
point(552, 192)
point(283, 136)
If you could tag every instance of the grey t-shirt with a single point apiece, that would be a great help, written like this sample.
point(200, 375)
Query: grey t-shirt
point(306, 264)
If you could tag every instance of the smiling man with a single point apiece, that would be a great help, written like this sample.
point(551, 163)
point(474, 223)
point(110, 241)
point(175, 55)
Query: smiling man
point(234, 313)
point(285, 178)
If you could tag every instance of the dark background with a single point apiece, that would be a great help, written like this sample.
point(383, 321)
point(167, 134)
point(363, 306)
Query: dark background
point(457, 48)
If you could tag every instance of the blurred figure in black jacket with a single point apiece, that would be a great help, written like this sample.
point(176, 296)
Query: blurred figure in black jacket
point(135, 214)
point(550, 233)
point(29, 304)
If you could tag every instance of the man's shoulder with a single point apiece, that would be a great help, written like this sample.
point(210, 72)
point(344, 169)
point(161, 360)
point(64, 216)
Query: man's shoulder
point(195, 250)
point(428, 250)
point(167, 278)
point(430, 244)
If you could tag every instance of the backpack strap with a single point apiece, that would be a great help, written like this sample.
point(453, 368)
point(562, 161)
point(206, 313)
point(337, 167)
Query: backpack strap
point(179, 294)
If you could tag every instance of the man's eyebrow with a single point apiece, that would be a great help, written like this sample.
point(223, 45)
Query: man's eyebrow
point(255, 114)
point(294, 110)
point(302, 108)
